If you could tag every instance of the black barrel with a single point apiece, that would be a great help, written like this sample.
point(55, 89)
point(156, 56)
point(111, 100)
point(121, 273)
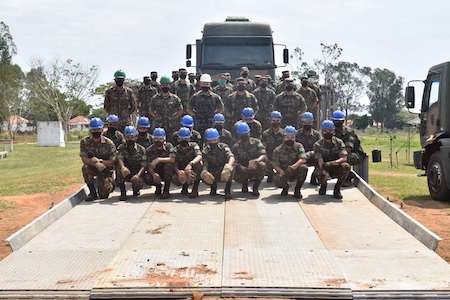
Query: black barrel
point(376, 156)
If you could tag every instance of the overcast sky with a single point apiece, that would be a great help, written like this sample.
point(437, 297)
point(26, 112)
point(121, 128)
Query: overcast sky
point(139, 36)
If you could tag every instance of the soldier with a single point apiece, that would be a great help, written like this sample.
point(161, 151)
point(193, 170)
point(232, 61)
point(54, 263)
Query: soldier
point(266, 97)
point(228, 78)
point(204, 104)
point(308, 136)
point(160, 163)
point(270, 83)
point(281, 85)
point(310, 96)
point(313, 82)
point(239, 100)
point(145, 94)
point(143, 126)
point(225, 136)
point(289, 161)
point(130, 164)
point(257, 80)
point(290, 104)
point(250, 84)
point(223, 89)
point(250, 155)
point(218, 161)
point(197, 81)
point(248, 116)
point(98, 155)
point(154, 81)
point(120, 100)
point(175, 77)
point(188, 163)
point(272, 138)
point(183, 89)
point(113, 132)
point(332, 159)
point(191, 77)
point(166, 108)
point(188, 122)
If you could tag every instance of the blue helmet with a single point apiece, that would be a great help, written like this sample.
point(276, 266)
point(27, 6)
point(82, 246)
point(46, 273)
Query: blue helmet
point(327, 124)
point(219, 118)
point(248, 113)
point(96, 123)
point(338, 115)
point(130, 131)
point(275, 115)
point(159, 133)
point(184, 133)
point(143, 122)
point(112, 119)
point(187, 121)
point(307, 117)
point(211, 134)
point(242, 128)
point(289, 130)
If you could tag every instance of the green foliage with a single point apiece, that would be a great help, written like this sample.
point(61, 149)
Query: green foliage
point(99, 113)
point(7, 46)
point(362, 122)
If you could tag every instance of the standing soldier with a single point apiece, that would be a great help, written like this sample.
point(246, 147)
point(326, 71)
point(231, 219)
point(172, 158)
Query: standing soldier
point(120, 100)
point(250, 155)
point(272, 138)
point(239, 100)
point(188, 122)
point(143, 126)
point(225, 136)
point(160, 163)
point(281, 85)
point(130, 164)
point(145, 94)
point(308, 136)
point(175, 77)
point(183, 89)
point(250, 84)
point(310, 96)
point(289, 161)
point(332, 159)
point(223, 90)
point(98, 155)
point(204, 104)
point(313, 82)
point(166, 108)
point(266, 97)
point(113, 132)
point(290, 103)
point(188, 163)
point(257, 81)
point(270, 83)
point(228, 78)
point(154, 81)
point(248, 116)
point(191, 77)
point(218, 161)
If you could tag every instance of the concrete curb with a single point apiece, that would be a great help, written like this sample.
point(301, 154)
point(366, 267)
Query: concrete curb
point(420, 232)
point(25, 234)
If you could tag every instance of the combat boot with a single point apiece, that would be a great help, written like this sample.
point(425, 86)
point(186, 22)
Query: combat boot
point(166, 194)
point(158, 190)
point(337, 190)
point(123, 192)
point(194, 192)
point(285, 191)
point(298, 192)
point(213, 191)
point(136, 193)
point(184, 189)
point(228, 195)
point(314, 179)
point(323, 189)
point(255, 189)
point(92, 193)
point(269, 178)
point(245, 187)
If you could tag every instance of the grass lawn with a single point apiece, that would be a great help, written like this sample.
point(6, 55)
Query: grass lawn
point(33, 169)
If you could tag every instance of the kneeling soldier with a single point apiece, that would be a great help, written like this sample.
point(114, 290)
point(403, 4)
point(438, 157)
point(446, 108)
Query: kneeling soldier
point(332, 159)
point(188, 122)
point(161, 162)
point(130, 163)
point(218, 163)
point(289, 161)
point(225, 136)
point(188, 158)
point(98, 155)
point(113, 133)
point(143, 126)
point(250, 155)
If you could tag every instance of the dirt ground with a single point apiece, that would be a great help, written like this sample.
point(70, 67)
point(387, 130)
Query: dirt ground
point(26, 208)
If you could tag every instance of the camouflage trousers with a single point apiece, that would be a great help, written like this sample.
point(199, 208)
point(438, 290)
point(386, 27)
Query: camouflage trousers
point(165, 172)
point(196, 170)
point(137, 181)
point(217, 174)
point(104, 181)
point(332, 171)
point(298, 175)
point(244, 174)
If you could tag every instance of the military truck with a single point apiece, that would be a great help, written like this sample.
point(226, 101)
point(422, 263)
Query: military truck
point(227, 46)
point(434, 157)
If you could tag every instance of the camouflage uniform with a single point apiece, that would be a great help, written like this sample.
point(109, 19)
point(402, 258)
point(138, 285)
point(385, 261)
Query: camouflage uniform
point(271, 140)
point(311, 100)
point(244, 152)
point(226, 137)
point(196, 137)
point(214, 159)
point(145, 95)
point(184, 90)
point(134, 160)
point(285, 156)
point(105, 150)
point(237, 102)
point(120, 101)
point(164, 109)
point(205, 105)
point(352, 145)
point(224, 92)
point(144, 140)
point(182, 158)
point(289, 105)
point(116, 136)
point(166, 170)
point(265, 97)
point(255, 129)
point(308, 139)
point(156, 85)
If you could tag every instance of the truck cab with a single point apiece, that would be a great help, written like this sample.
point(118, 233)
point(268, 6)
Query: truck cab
point(237, 42)
point(434, 157)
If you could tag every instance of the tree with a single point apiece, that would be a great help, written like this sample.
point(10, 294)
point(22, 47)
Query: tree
point(11, 97)
point(362, 122)
point(385, 94)
point(7, 46)
point(300, 65)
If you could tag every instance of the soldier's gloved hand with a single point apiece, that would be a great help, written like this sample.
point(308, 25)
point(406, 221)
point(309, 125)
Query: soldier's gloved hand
point(207, 177)
point(125, 172)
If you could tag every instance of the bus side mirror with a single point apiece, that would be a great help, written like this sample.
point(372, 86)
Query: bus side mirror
point(188, 63)
point(410, 97)
point(188, 51)
point(285, 55)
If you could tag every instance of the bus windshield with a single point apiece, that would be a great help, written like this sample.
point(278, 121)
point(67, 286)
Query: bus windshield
point(235, 52)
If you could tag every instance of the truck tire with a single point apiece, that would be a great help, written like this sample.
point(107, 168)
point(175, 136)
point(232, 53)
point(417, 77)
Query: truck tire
point(437, 179)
